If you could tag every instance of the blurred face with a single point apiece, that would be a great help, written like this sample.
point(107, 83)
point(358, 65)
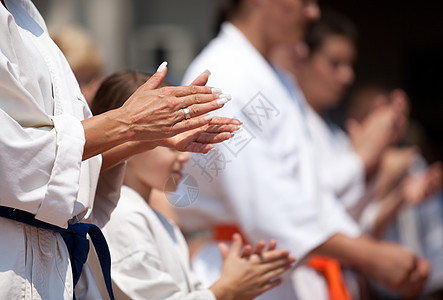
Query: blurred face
point(286, 20)
point(160, 168)
point(328, 72)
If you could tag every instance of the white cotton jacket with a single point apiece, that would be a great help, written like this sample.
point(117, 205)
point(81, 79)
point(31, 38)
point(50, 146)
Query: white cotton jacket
point(150, 257)
point(340, 168)
point(264, 179)
point(41, 148)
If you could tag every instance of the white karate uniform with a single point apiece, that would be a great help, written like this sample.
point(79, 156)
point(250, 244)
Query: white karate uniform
point(340, 168)
point(41, 149)
point(264, 179)
point(150, 258)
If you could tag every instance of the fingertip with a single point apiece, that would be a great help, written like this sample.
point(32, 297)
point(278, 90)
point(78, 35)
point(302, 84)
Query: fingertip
point(209, 117)
point(162, 67)
point(236, 237)
point(216, 91)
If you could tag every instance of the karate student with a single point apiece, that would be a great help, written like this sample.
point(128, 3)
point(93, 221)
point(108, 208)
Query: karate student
point(264, 181)
point(50, 156)
point(150, 255)
point(324, 75)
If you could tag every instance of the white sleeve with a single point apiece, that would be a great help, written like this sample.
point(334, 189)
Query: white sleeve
point(266, 198)
point(140, 276)
point(298, 223)
point(261, 185)
point(40, 155)
point(345, 175)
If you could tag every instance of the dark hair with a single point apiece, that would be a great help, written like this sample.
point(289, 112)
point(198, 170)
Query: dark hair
point(331, 23)
point(227, 9)
point(116, 89)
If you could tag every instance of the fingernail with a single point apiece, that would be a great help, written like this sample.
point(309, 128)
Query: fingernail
point(209, 117)
point(222, 101)
point(216, 90)
point(227, 96)
point(162, 67)
point(207, 72)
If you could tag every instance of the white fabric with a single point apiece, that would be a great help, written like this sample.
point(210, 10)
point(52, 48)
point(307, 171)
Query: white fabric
point(268, 187)
point(341, 171)
point(150, 258)
point(41, 148)
point(340, 168)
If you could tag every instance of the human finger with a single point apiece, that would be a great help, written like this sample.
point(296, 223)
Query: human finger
point(156, 80)
point(198, 148)
point(274, 255)
point(399, 101)
point(272, 245)
point(224, 250)
point(202, 79)
point(259, 247)
point(247, 251)
point(187, 101)
point(204, 108)
point(213, 138)
point(279, 263)
point(237, 243)
point(221, 128)
point(417, 279)
point(269, 285)
point(193, 123)
point(224, 121)
point(184, 91)
point(274, 273)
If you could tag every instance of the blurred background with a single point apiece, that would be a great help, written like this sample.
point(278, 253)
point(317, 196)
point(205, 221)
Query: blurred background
point(400, 43)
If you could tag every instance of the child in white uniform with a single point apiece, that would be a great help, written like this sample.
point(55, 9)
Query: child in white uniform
point(150, 258)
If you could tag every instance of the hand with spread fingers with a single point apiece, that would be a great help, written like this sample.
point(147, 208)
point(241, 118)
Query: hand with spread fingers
point(382, 127)
point(247, 275)
point(133, 113)
point(154, 113)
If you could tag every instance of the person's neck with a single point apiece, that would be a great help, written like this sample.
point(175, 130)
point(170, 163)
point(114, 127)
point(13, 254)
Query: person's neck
point(251, 28)
point(142, 189)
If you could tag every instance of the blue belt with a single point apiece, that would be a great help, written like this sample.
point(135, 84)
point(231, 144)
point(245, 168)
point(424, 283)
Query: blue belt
point(76, 242)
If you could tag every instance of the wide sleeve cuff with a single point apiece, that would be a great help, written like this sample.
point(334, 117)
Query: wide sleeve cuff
point(58, 204)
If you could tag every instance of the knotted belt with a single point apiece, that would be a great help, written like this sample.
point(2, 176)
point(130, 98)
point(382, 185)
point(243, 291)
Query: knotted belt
point(76, 242)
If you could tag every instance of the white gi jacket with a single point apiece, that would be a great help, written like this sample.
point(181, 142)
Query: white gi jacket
point(41, 147)
point(340, 168)
point(264, 179)
point(150, 258)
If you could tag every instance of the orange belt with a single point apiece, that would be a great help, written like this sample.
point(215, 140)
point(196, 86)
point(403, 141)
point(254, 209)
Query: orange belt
point(332, 272)
point(226, 231)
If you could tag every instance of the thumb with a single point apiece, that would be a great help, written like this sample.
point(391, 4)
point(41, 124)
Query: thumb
point(156, 80)
point(237, 244)
point(224, 250)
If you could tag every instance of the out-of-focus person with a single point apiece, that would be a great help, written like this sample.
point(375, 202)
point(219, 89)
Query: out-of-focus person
point(406, 191)
point(264, 183)
point(83, 56)
point(324, 70)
